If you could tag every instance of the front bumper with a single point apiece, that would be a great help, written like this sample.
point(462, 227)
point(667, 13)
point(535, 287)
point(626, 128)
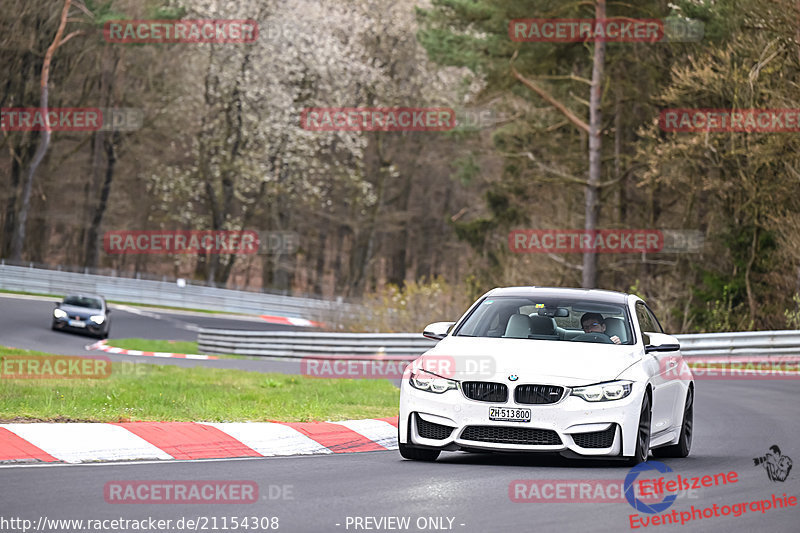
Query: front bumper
point(451, 421)
point(89, 327)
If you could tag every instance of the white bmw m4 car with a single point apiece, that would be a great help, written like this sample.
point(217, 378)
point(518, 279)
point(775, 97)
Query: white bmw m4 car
point(584, 373)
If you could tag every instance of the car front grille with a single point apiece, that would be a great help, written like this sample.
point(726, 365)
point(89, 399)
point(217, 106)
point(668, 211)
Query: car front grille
point(511, 435)
point(431, 430)
point(596, 439)
point(485, 391)
point(538, 394)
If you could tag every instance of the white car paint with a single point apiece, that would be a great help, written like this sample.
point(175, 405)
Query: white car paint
point(550, 362)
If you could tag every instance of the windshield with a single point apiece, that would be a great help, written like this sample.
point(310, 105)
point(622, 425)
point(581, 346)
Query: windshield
point(554, 319)
point(83, 301)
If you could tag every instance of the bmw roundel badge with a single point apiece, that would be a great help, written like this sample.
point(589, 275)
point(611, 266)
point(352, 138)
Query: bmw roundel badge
point(513, 377)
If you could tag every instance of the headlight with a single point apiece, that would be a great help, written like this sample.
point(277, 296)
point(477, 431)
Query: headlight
point(603, 392)
point(424, 380)
point(59, 313)
point(97, 319)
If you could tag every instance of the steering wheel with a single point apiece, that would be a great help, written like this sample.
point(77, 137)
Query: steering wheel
point(593, 337)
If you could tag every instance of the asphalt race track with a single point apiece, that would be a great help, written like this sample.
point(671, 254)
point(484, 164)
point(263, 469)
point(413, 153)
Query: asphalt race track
point(26, 320)
point(735, 421)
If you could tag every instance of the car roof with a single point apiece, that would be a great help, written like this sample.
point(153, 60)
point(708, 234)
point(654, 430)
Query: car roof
point(598, 295)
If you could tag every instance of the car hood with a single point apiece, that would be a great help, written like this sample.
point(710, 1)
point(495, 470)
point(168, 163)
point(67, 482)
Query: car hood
point(80, 311)
point(532, 361)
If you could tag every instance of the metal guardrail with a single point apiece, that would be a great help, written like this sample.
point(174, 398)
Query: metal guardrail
point(411, 345)
point(310, 344)
point(133, 290)
point(744, 343)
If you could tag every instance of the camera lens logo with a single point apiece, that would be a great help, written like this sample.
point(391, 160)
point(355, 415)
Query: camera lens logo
point(638, 504)
point(777, 465)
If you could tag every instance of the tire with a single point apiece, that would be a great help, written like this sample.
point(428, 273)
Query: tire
point(416, 454)
point(642, 434)
point(684, 445)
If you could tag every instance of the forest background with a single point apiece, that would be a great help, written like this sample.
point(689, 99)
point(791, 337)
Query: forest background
point(552, 135)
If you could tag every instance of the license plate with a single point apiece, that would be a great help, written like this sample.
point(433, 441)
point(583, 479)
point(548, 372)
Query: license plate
point(77, 323)
point(509, 415)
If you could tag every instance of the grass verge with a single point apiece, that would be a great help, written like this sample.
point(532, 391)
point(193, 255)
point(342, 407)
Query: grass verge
point(150, 345)
point(135, 392)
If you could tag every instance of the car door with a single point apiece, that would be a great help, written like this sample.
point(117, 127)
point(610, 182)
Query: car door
point(665, 388)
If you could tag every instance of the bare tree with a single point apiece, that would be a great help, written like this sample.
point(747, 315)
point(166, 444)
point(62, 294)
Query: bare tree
point(44, 139)
point(592, 185)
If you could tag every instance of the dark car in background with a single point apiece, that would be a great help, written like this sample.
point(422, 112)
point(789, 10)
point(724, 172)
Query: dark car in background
point(87, 313)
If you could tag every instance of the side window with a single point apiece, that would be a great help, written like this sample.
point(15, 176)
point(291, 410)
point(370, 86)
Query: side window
point(656, 324)
point(646, 321)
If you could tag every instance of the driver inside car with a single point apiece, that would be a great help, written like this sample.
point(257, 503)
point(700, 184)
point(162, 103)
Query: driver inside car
point(594, 323)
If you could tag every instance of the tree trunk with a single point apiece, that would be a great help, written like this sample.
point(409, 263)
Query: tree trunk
point(399, 257)
point(595, 146)
point(24, 153)
point(25, 203)
point(321, 250)
point(103, 163)
point(751, 302)
point(100, 210)
point(364, 245)
point(44, 140)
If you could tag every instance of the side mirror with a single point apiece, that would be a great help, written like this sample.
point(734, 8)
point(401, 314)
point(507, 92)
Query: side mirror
point(660, 342)
point(438, 330)
point(662, 348)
